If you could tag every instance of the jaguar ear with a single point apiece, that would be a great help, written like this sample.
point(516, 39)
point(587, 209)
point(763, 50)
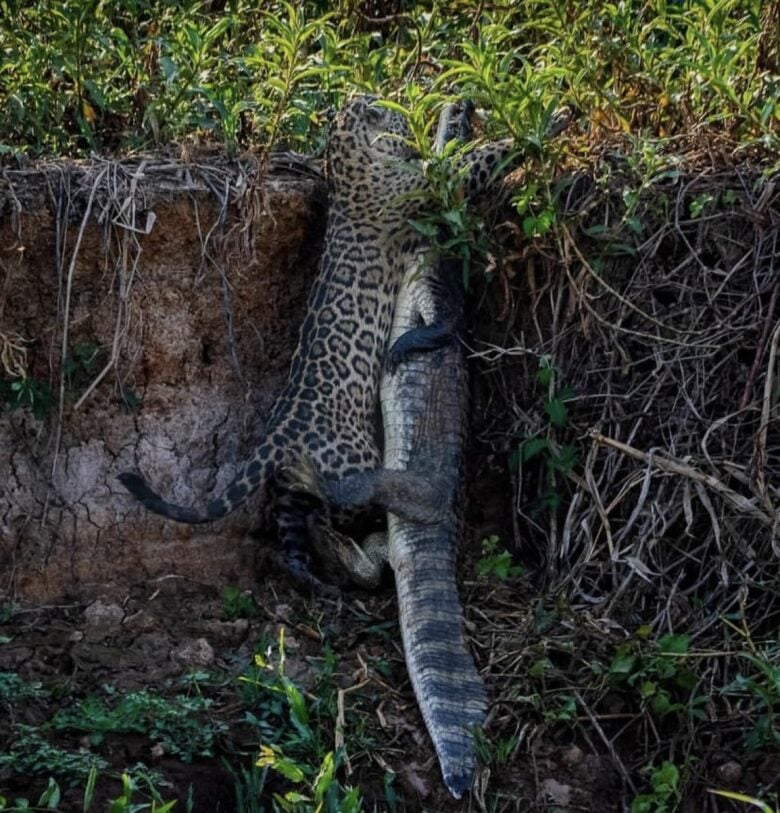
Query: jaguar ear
point(330, 114)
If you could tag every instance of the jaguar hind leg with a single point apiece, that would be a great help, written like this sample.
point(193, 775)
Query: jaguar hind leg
point(298, 516)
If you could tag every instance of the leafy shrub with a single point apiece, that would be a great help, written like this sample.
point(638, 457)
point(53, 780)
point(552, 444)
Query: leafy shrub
point(92, 74)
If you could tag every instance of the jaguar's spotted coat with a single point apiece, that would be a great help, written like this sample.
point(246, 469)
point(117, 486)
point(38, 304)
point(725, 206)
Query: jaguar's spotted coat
point(328, 407)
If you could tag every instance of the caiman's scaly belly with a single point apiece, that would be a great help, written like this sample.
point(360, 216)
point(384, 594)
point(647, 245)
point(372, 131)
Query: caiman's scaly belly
point(424, 411)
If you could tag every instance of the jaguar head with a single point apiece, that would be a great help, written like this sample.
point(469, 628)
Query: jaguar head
point(367, 147)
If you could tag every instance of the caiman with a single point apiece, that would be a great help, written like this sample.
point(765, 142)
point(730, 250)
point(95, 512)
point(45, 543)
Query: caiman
point(424, 401)
point(424, 406)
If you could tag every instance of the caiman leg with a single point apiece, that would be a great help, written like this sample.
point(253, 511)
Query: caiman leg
point(438, 305)
point(415, 496)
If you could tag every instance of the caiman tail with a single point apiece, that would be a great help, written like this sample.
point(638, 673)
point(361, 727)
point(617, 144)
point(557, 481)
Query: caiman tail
point(254, 474)
point(424, 404)
point(448, 688)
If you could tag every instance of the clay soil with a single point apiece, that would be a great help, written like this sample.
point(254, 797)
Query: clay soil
point(153, 637)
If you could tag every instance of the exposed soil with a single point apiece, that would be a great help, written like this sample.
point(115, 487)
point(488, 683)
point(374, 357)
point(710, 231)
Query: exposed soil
point(155, 635)
point(182, 398)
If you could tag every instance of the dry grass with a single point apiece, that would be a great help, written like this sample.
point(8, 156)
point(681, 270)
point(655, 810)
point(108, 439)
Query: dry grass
point(668, 519)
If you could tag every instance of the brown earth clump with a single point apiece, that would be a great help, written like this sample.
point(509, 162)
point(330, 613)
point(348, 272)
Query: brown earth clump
point(150, 308)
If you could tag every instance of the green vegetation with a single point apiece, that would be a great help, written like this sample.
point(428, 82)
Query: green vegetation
point(175, 724)
point(496, 754)
point(665, 783)
point(289, 732)
point(292, 731)
point(13, 689)
point(97, 75)
point(27, 393)
point(51, 798)
point(285, 759)
point(666, 681)
point(496, 562)
point(559, 459)
point(33, 755)
point(237, 604)
point(760, 688)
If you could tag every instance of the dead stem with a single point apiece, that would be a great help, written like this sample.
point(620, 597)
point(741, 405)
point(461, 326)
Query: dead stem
point(667, 463)
point(66, 316)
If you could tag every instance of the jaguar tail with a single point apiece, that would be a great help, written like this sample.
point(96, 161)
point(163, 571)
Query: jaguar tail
point(254, 474)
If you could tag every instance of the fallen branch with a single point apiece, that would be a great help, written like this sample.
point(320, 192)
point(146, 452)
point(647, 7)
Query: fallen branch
point(672, 465)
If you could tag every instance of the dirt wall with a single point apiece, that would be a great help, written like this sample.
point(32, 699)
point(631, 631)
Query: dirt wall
point(183, 286)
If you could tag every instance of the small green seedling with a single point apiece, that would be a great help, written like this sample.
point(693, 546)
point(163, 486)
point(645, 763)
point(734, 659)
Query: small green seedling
point(238, 604)
point(496, 562)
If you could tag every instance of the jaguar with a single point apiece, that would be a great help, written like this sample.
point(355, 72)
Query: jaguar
point(327, 410)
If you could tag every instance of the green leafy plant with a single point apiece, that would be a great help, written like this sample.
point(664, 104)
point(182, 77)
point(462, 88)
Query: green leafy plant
point(665, 783)
point(27, 393)
point(313, 793)
point(496, 753)
point(32, 755)
point(48, 800)
point(286, 60)
point(237, 604)
point(452, 224)
point(562, 709)
point(558, 459)
point(762, 690)
point(51, 797)
point(13, 688)
point(248, 786)
point(124, 803)
point(176, 724)
point(134, 781)
point(496, 562)
point(293, 744)
point(536, 210)
point(700, 203)
point(661, 673)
